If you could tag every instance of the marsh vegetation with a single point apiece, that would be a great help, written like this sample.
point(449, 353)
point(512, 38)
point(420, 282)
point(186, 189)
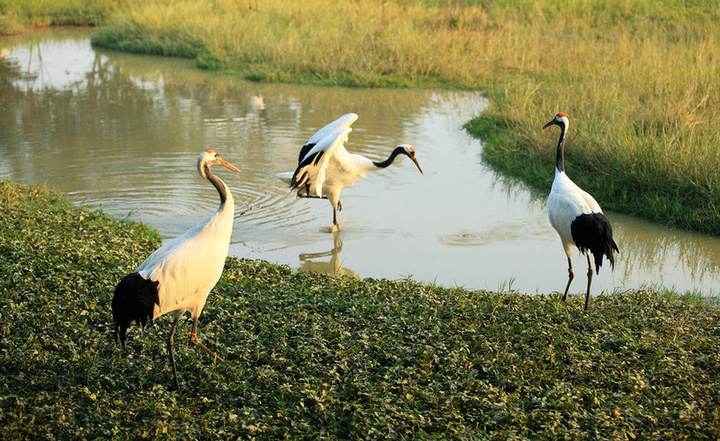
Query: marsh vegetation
point(638, 79)
point(309, 356)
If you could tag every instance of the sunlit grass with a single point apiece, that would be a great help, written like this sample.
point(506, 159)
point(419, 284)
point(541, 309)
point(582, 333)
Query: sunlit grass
point(644, 109)
point(638, 79)
point(343, 43)
point(19, 15)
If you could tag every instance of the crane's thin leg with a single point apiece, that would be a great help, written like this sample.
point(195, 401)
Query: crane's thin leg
point(590, 276)
point(170, 350)
point(335, 221)
point(198, 343)
point(571, 276)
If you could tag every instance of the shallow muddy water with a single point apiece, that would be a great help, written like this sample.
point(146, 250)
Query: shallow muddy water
point(121, 133)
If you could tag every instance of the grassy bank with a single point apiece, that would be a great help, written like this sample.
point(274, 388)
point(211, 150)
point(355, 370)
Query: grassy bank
point(310, 356)
point(17, 16)
point(644, 107)
point(638, 79)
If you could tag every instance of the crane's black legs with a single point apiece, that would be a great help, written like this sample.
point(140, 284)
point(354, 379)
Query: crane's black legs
point(198, 343)
point(590, 276)
point(170, 350)
point(571, 276)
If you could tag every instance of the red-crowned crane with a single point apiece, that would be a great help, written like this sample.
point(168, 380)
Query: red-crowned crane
point(179, 275)
point(576, 216)
point(325, 168)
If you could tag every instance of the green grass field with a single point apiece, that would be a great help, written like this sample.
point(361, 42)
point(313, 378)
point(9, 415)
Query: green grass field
point(312, 357)
point(309, 356)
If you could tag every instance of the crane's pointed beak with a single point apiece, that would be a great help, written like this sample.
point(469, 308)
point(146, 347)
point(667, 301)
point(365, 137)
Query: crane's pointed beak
point(224, 163)
point(414, 159)
point(551, 123)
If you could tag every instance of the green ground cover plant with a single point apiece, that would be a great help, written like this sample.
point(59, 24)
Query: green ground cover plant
point(309, 356)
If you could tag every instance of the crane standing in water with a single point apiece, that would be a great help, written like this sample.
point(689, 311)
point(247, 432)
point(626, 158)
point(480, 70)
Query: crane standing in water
point(325, 168)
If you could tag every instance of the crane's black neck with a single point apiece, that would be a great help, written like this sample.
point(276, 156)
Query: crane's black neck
point(217, 183)
point(560, 155)
point(391, 158)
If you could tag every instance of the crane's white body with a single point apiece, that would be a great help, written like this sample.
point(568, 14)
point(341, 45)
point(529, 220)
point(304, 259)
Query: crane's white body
point(566, 202)
point(190, 265)
point(337, 168)
point(576, 216)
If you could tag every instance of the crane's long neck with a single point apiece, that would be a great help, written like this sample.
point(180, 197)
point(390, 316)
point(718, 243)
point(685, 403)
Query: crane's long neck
point(222, 189)
point(390, 159)
point(560, 155)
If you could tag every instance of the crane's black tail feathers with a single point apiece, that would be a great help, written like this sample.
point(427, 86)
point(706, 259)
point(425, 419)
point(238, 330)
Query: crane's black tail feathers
point(593, 232)
point(134, 301)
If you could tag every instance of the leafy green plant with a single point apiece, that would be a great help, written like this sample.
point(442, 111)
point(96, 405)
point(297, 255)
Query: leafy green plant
point(310, 356)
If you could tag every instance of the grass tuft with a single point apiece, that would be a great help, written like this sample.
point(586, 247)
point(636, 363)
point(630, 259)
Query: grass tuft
point(18, 15)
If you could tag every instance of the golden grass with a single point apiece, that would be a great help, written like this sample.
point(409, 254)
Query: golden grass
point(644, 105)
point(19, 15)
point(638, 78)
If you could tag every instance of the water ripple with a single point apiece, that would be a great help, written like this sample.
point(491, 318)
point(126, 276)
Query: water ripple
point(467, 238)
point(127, 137)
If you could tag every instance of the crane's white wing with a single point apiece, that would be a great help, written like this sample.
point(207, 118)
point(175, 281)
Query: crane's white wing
point(311, 172)
point(332, 146)
point(340, 123)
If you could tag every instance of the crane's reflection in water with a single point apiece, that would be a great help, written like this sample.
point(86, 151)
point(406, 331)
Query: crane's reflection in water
point(309, 262)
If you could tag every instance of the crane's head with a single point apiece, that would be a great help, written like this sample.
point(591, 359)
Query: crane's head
point(210, 157)
point(559, 120)
point(407, 149)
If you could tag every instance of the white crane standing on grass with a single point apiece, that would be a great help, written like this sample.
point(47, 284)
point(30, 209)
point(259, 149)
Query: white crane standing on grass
point(576, 216)
point(178, 276)
point(325, 168)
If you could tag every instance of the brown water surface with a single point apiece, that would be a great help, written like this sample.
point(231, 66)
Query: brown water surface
point(121, 133)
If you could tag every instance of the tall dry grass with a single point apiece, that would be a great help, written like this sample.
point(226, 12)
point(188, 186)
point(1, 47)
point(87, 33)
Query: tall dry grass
point(345, 42)
point(644, 105)
point(638, 78)
point(18, 15)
